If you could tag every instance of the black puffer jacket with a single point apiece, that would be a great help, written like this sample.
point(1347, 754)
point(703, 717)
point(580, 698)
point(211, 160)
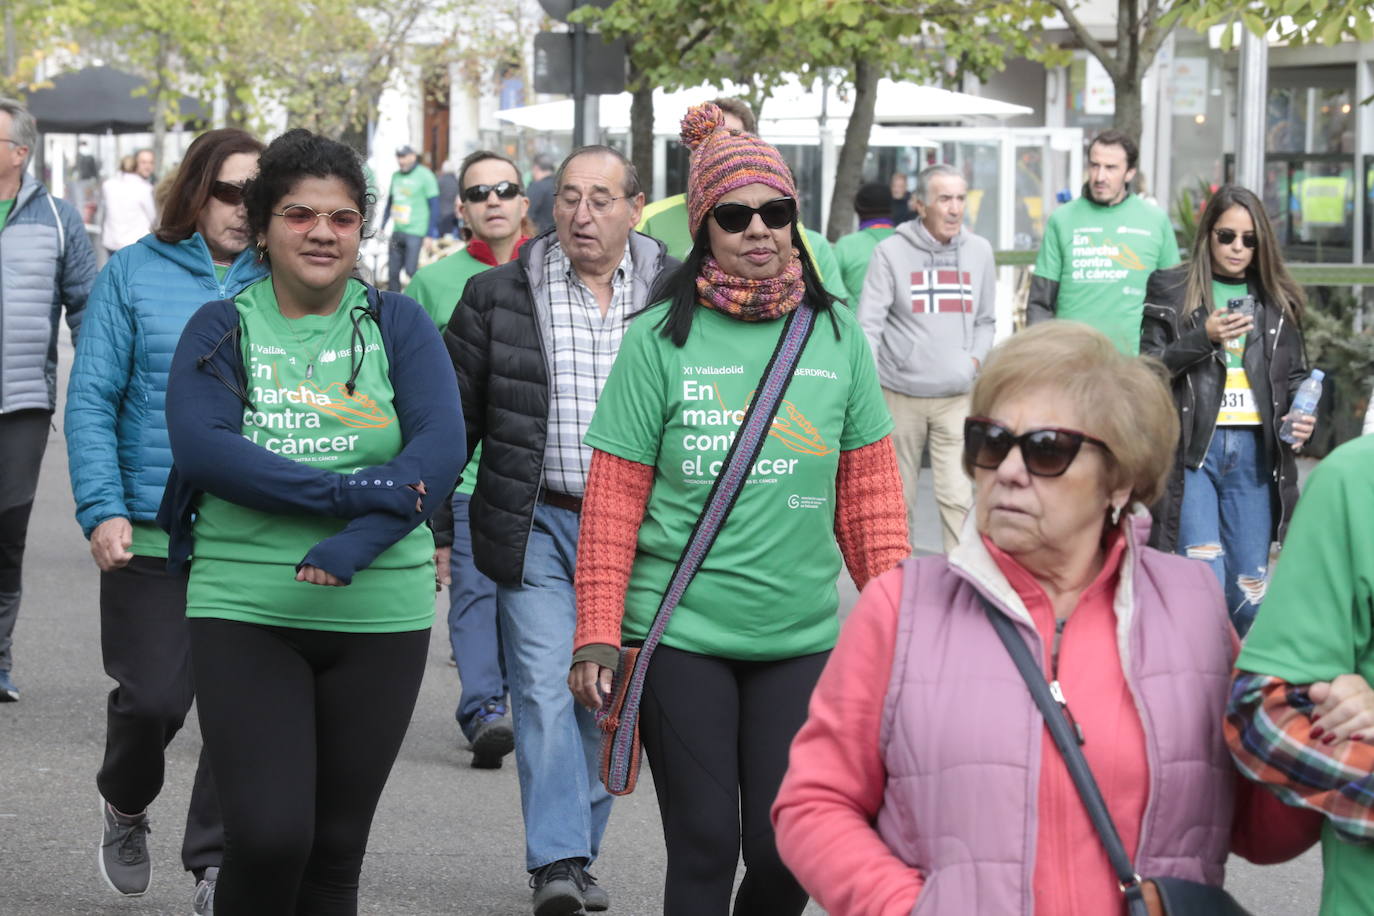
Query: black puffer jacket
point(1275, 363)
point(497, 340)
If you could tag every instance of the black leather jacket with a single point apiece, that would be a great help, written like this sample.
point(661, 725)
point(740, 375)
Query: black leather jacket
point(1275, 364)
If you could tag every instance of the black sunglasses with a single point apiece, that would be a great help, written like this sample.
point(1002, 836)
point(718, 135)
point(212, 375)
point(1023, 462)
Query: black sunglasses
point(775, 214)
point(1047, 452)
point(1227, 236)
point(506, 190)
point(225, 192)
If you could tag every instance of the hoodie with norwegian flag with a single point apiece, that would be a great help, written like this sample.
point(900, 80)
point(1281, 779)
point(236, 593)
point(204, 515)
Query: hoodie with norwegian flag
point(928, 310)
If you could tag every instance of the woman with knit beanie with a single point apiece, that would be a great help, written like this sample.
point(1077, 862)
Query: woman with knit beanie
point(728, 685)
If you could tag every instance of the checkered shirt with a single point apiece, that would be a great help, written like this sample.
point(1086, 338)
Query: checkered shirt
point(1268, 726)
point(582, 348)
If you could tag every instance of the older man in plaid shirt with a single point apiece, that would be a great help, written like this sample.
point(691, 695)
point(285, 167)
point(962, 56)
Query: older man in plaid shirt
point(533, 342)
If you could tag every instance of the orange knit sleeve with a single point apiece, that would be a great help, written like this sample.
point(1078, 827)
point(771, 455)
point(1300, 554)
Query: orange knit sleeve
point(870, 511)
point(612, 508)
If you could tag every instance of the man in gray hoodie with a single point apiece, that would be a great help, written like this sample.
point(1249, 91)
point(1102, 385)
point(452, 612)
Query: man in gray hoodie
point(928, 309)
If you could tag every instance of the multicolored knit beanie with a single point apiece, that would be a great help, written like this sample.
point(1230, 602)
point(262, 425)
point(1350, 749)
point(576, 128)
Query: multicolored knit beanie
point(724, 159)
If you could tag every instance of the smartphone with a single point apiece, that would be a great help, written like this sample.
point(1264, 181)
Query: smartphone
point(1242, 305)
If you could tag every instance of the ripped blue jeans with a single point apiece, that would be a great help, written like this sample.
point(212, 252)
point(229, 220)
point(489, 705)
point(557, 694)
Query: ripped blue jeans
point(1227, 517)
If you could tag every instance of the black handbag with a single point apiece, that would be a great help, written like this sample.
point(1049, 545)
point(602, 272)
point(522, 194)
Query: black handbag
point(1177, 896)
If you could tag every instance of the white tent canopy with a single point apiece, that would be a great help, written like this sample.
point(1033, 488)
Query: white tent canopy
point(792, 112)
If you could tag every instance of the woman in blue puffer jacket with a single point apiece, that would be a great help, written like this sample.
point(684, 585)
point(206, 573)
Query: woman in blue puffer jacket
point(119, 459)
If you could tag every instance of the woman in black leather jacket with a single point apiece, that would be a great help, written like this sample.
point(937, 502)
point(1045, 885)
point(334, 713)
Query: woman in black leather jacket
point(1227, 324)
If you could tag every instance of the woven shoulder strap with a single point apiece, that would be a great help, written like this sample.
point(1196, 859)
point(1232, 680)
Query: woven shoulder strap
point(744, 451)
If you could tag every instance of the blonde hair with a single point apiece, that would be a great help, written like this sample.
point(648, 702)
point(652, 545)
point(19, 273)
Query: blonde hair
point(1122, 400)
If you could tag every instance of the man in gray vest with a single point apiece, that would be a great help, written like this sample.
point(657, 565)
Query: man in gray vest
point(48, 264)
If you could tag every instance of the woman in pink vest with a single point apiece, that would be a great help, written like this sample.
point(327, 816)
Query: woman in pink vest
point(924, 779)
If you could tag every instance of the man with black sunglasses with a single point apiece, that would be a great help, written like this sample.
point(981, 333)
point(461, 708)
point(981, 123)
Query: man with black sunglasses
point(413, 205)
point(928, 307)
point(1099, 251)
point(493, 210)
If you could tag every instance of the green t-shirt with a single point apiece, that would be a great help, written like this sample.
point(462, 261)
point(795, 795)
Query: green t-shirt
point(5, 207)
point(767, 589)
point(824, 257)
point(148, 540)
point(1318, 622)
point(245, 560)
point(410, 194)
point(666, 220)
point(1238, 398)
point(1101, 257)
point(853, 252)
point(437, 288)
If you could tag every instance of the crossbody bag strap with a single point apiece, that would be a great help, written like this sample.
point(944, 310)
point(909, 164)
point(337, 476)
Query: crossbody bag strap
point(744, 451)
point(1067, 742)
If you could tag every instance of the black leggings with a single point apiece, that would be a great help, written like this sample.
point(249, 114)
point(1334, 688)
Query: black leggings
point(302, 728)
point(717, 733)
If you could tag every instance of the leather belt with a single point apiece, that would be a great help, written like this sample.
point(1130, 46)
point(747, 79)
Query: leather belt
point(561, 500)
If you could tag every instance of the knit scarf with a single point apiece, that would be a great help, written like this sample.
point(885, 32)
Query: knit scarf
point(751, 300)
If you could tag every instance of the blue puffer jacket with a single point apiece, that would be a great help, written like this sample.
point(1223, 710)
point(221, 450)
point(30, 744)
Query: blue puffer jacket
point(117, 445)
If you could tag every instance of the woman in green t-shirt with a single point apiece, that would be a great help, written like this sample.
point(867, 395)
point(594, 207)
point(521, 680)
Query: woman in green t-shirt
point(1227, 326)
point(728, 685)
point(309, 418)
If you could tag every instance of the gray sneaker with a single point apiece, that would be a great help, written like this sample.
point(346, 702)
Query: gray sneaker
point(595, 898)
point(558, 888)
point(203, 903)
point(123, 854)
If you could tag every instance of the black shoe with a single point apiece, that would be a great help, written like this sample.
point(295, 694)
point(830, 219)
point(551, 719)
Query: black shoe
point(559, 888)
point(493, 739)
point(597, 900)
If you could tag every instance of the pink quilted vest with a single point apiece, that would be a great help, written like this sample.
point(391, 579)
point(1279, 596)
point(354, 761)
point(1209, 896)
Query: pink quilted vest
point(961, 735)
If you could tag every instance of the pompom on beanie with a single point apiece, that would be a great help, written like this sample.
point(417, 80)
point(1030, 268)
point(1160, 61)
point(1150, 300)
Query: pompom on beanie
point(724, 159)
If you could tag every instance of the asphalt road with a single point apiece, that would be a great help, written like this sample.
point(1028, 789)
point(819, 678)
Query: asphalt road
point(447, 839)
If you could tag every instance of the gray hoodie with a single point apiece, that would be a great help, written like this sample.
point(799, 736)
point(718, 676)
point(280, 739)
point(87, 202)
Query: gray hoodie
point(929, 310)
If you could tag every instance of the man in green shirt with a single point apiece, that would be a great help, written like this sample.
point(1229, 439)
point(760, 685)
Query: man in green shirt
point(1099, 250)
point(413, 207)
point(854, 251)
point(493, 208)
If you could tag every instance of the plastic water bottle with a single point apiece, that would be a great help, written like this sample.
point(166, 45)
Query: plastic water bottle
point(1304, 404)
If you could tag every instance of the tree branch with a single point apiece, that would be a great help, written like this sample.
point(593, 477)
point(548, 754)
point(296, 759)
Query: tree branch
point(1085, 38)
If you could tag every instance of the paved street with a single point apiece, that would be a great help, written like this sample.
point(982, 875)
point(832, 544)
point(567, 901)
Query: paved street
point(447, 839)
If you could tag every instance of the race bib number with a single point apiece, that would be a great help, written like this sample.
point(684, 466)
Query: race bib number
point(400, 213)
point(1238, 401)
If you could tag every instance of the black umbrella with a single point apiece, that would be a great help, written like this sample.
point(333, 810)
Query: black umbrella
point(100, 100)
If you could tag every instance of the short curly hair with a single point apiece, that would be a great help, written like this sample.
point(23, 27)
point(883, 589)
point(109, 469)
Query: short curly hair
point(298, 154)
point(1123, 400)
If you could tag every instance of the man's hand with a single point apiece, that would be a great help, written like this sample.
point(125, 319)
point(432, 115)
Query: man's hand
point(110, 544)
point(443, 572)
point(589, 683)
point(1302, 429)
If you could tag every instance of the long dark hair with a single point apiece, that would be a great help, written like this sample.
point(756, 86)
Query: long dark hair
point(190, 190)
point(1267, 267)
point(679, 287)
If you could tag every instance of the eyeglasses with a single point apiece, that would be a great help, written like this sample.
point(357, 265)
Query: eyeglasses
point(300, 218)
point(600, 204)
point(506, 190)
point(1047, 452)
point(1227, 236)
point(227, 193)
point(775, 214)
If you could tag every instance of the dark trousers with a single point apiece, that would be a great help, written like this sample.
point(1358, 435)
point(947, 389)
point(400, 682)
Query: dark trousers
point(402, 251)
point(146, 646)
point(717, 733)
point(23, 439)
point(473, 629)
point(302, 728)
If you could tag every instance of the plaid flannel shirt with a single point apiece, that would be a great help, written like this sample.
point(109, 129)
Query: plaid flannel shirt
point(1268, 727)
point(583, 347)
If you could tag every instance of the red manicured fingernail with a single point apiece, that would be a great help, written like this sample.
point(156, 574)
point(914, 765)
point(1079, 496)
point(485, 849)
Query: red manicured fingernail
point(1317, 732)
point(1328, 739)
point(1357, 737)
